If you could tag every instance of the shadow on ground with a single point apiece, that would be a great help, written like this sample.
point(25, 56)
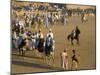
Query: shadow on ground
point(35, 65)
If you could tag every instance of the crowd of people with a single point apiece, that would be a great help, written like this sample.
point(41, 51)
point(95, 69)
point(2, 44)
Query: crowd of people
point(27, 40)
point(45, 14)
point(33, 40)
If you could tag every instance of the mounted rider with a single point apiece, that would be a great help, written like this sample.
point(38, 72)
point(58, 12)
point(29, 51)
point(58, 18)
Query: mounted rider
point(75, 32)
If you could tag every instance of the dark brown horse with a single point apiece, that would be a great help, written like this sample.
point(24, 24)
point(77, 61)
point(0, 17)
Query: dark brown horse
point(21, 47)
point(72, 37)
point(40, 46)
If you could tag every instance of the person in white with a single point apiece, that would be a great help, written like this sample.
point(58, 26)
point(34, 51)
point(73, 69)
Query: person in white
point(21, 23)
point(14, 39)
point(25, 35)
point(40, 34)
point(64, 60)
point(65, 21)
point(50, 33)
point(33, 41)
point(84, 18)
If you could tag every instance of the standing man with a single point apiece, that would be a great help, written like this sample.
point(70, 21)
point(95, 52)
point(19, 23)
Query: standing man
point(64, 60)
point(75, 60)
point(46, 21)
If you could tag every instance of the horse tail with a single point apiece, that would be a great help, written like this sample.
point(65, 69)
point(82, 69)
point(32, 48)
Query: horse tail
point(68, 37)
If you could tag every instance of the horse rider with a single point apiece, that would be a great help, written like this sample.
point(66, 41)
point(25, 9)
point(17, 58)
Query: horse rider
point(39, 35)
point(52, 36)
point(50, 33)
point(48, 45)
point(75, 31)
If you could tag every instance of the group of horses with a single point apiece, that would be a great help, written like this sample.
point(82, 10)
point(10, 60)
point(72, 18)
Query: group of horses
point(44, 48)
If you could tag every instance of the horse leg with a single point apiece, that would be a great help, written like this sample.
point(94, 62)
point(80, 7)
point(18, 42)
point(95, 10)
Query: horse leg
point(72, 65)
point(52, 55)
point(46, 59)
point(49, 59)
point(72, 41)
point(78, 41)
point(22, 52)
point(19, 51)
point(81, 20)
point(52, 58)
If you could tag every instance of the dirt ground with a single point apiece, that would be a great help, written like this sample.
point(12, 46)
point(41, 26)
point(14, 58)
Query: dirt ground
point(31, 63)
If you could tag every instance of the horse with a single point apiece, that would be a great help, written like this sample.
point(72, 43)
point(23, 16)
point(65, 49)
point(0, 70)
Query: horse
point(40, 45)
point(51, 20)
point(72, 37)
point(49, 50)
point(45, 49)
point(83, 19)
point(21, 47)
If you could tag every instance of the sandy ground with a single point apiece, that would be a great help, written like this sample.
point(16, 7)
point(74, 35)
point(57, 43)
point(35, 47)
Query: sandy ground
point(31, 63)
